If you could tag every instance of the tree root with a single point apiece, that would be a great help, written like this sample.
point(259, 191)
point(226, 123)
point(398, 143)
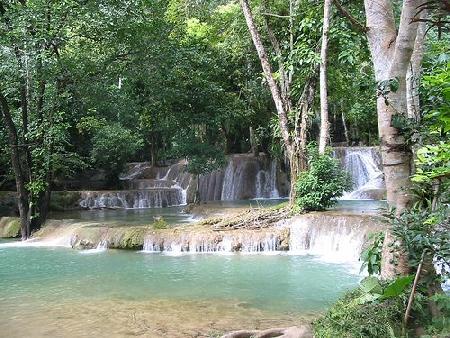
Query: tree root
point(290, 332)
point(252, 219)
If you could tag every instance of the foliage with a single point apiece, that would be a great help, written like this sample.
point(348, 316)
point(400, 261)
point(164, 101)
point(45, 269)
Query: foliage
point(113, 145)
point(421, 231)
point(433, 153)
point(202, 157)
point(376, 309)
point(373, 290)
point(371, 256)
point(351, 318)
point(324, 181)
point(440, 326)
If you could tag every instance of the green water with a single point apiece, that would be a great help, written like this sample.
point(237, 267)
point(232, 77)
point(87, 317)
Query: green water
point(59, 292)
point(275, 283)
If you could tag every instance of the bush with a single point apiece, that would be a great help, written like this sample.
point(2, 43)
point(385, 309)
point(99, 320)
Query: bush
point(348, 318)
point(160, 223)
point(324, 181)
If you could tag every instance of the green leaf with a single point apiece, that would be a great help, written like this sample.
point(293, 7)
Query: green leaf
point(397, 287)
point(371, 285)
point(367, 298)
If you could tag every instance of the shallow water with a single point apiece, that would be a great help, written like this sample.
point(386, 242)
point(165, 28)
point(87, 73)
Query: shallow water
point(63, 292)
point(175, 215)
point(172, 215)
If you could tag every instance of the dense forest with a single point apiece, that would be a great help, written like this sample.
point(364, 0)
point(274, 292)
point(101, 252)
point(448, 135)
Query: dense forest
point(94, 85)
point(100, 84)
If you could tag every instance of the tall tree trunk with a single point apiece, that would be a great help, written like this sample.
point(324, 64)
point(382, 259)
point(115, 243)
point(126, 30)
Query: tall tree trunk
point(304, 108)
point(277, 97)
point(253, 142)
point(268, 73)
point(391, 55)
point(17, 164)
point(344, 123)
point(197, 190)
point(324, 123)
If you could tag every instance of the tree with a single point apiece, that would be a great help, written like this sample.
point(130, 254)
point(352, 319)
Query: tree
point(324, 124)
point(294, 138)
point(391, 53)
point(34, 99)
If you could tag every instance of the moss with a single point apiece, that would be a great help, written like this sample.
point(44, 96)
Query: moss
point(347, 318)
point(9, 227)
point(160, 223)
point(130, 238)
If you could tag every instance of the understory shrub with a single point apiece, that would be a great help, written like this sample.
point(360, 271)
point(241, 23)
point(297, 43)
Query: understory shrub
point(348, 318)
point(160, 223)
point(324, 181)
point(376, 310)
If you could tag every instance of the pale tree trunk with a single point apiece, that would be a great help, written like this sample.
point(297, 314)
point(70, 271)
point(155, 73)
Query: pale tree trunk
point(324, 123)
point(391, 54)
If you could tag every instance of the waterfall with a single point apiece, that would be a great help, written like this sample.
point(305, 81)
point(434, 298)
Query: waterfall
point(333, 239)
point(232, 179)
point(247, 242)
point(245, 177)
point(248, 177)
point(266, 182)
point(364, 166)
point(102, 246)
point(133, 199)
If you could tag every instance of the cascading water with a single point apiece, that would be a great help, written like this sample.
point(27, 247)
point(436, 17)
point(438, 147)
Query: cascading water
point(331, 239)
point(135, 170)
point(244, 242)
point(266, 182)
point(364, 166)
point(133, 199)
point(164, 188)
point(250, 177)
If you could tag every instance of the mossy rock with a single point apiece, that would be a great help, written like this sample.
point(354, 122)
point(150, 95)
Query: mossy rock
point(127, 238)
point(9, 227)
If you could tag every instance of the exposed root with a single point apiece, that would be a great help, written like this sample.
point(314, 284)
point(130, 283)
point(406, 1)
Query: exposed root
point(251, 219)
point(290, 332)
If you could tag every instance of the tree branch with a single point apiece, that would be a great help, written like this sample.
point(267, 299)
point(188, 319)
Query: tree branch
point(277, 15)
point(355, 23)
